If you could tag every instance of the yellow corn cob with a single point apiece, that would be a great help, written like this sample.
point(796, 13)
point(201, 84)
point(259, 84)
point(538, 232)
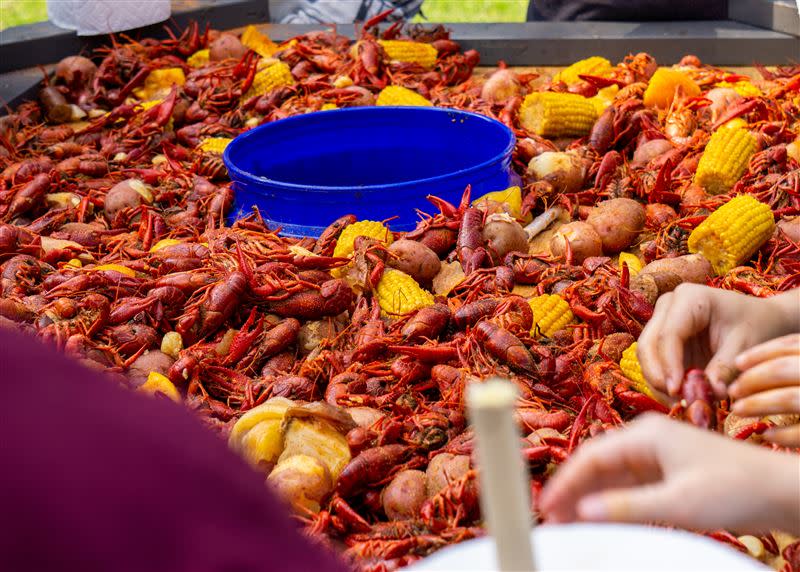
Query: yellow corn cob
point(743, 88)
point(159, 82)
point(590, 66)
point(276, 75)
point(199, 58)
point(398, 293)
point(370, 228)
point(398, 95)
point(604, 98)
point(633, 371)
point(549, 114)
point(738, 122)
point(733, 232)
point(632, 261)
point(214, 144)
point(725, 159)
point(328, 106)
point(512, 196)
point(258, 42)
point(665, 85)
point(551, 313)
point(415, 52)
point(159, 383)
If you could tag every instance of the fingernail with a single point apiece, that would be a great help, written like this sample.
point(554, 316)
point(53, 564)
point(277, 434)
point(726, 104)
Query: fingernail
point(593, 508)
point(737, 408)
point(733, 390)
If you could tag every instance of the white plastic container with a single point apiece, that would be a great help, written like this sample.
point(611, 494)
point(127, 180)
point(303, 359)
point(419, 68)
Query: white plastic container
point(93, 17)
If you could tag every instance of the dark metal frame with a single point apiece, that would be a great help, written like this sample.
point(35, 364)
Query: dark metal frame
point(759, 31)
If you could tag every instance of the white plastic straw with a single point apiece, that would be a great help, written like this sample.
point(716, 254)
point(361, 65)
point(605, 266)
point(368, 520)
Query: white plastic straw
point(505, 491)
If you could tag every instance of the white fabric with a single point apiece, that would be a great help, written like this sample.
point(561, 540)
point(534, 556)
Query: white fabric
point(93, 17)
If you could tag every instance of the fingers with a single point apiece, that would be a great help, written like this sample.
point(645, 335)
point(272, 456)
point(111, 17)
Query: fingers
point(641, 504)
point(647, 346)
point(771, 374)
point(774, 401)
point(721, 369)
point(784, 436)
point(617, 459)
point(779, 347)
point(689, 314)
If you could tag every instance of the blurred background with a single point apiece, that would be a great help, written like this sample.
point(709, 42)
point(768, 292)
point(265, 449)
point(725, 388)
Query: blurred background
point(18, 12)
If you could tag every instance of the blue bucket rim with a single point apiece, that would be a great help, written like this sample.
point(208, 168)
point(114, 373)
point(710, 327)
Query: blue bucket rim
point(237, 174)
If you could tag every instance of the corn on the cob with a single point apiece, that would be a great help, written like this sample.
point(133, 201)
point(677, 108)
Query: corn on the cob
point(328, 106)
point(258, 42)
point(414, 52)
point(275, 75)
point(398, 95)
point(370, 228)
point(159, 82)
point(214, 144)
point(633, 370)
point(743, 88)
point(632, 261)
point(199, 58)
point(159, 383)
point(398, 293)
point(725, 159)
point(604, 98)
point(549, 114)
point(733, 232)
point(665, 85)
point(512, 196)
point(551, 313)
point(594, 65)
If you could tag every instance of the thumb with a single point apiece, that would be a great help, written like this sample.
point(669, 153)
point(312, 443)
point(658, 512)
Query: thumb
point(641, 504)
point(721, 369)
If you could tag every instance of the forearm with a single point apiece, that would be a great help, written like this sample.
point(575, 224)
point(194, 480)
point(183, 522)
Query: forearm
point(789, 305)
point(784, 492)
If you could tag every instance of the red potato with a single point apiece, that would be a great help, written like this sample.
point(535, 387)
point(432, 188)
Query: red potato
point(126, 194)
point(583, 239)
point(225, 47)
point(444, 469)
point(365, 416)
point(649, 150)
point(76, 71)
point(503, 234)
point(689, 268)
point(618, 222)
point(564, 171)
point(154, 360)
point(415, 259)
point(403, 497)
point(501, 86)
point(790, 227)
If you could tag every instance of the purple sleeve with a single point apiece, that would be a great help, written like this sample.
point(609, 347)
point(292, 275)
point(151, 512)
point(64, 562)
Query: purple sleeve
point(96, 478)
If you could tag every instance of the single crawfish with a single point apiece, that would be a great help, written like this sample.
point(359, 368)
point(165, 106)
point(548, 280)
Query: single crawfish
point(700, 409)
point(216, 306)
point(371, 467)
point(505, 346)
point(27, 198)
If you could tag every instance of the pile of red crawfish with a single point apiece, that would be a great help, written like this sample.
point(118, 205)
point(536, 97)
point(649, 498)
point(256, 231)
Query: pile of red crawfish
point(113, 234)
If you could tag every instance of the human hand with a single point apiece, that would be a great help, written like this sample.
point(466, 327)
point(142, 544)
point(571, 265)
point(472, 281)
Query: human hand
point(707, 328)
point(661, 470)
point(770, 384)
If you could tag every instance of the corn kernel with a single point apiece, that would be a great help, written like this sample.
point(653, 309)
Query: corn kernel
point(551, 313)
point(633, 371)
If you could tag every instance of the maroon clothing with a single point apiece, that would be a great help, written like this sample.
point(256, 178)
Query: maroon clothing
point(98, 478)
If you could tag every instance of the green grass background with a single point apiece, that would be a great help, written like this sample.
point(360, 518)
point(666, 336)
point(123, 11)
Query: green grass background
point(18, 12)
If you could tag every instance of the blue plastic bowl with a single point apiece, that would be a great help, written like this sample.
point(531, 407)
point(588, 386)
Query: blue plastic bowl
point(303, 172)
